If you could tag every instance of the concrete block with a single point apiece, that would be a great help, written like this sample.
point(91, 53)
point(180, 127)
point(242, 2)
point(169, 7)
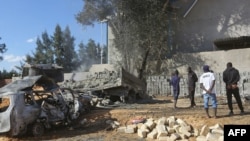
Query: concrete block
point(153, 134)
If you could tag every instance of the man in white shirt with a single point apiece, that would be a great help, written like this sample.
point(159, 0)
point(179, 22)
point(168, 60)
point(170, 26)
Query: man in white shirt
point(207, 84)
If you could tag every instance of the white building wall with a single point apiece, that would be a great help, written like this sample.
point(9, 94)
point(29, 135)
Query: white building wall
point(209, 20)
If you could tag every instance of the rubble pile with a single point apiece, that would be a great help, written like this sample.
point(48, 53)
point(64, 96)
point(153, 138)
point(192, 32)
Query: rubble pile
point(172, 129)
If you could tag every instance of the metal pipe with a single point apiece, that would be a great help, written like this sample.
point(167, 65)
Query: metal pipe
point(190, 8)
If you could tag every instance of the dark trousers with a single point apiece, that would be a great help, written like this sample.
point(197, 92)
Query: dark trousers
point(191, 96)
point(176, 94)
point(236, 94)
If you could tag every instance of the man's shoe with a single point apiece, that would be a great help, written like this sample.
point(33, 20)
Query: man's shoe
point(242, 112)
point(230, 113)
point(192, 106)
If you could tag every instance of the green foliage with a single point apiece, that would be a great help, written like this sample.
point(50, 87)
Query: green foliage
point(60, 49)
point(57, 49)
point(69, 57)
point(82, 57)
point(43, 53)
point(3, 49)
point(8, 75)
point(95, 10)
point(140, 28)
point(91, 54)
point(58, 45)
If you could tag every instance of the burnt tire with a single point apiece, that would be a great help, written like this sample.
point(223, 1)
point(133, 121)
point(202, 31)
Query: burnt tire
point(37, 129)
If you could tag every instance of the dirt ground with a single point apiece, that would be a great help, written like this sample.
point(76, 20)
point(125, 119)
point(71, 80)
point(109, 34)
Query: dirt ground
point(96, 129)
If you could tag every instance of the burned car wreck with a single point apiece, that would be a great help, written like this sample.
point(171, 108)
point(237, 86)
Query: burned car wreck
point(36, 103)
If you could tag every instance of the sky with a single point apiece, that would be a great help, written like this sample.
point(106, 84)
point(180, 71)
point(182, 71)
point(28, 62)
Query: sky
point(22, 21)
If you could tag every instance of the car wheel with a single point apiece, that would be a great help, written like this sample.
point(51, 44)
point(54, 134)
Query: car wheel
point(38, 129)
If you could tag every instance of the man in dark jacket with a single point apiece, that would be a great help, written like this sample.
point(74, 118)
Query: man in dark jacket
point(192, 79)
point(231, 77)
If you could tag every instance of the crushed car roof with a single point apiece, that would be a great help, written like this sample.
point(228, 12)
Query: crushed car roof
point(20, 84)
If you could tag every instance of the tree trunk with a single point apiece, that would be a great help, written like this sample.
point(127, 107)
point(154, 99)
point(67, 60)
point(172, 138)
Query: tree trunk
point(143, 65)
point(158, 66)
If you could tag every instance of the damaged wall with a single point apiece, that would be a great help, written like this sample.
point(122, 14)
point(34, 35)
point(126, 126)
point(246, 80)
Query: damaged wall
point(157, 84)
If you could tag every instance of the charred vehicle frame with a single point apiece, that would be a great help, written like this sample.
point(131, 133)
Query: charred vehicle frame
point(35, 103)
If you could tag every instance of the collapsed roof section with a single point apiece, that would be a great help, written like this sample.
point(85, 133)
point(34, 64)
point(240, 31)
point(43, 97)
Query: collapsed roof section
point(233, 43)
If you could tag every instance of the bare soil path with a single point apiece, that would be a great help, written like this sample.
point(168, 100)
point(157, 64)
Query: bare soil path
point(96, 129)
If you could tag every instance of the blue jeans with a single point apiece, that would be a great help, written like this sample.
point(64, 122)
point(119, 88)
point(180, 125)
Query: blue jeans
point(206, 98)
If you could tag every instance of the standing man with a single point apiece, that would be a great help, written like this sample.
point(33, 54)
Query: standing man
point(231, 78)
point(207, 84)
point(175, 82)
point(192, 79)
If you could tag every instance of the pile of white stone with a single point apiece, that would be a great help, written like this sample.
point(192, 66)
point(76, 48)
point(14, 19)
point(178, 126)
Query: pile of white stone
point(173, 129)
